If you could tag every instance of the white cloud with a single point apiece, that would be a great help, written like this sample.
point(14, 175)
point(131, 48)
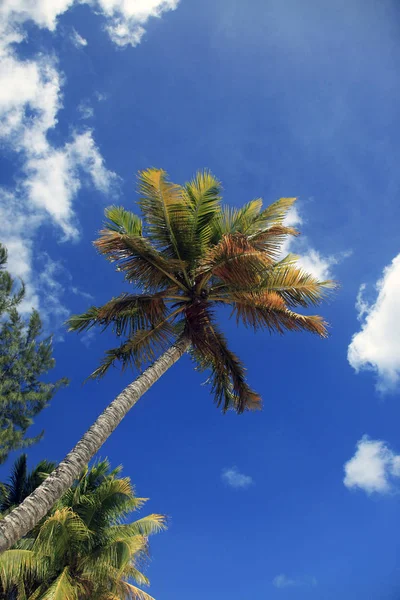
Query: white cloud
point(235, 479)
point(77, 39)
point(124, 19)
point(283, 581)
point(310, 259)
point(30, 98)
point(79, 292)
point(377, 345)
point(373, 467)
point(53, 179)
point(86, 111)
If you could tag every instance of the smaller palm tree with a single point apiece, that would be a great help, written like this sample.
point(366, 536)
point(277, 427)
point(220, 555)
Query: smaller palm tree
point(84, 549)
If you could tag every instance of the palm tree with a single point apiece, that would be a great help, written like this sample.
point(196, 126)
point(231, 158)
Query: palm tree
point(84, 550)
point(188, 256)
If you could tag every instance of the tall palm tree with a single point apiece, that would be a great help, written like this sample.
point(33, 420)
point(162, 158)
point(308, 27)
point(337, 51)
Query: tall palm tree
point(84, 549)
point(187, 256)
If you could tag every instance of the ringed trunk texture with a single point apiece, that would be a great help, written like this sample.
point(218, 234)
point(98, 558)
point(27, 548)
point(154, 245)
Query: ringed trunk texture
point(25, 516)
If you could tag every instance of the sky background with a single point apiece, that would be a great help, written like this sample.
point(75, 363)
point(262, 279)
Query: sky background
point(277, 98)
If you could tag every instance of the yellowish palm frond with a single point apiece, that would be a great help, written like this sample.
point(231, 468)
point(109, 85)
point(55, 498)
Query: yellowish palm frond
point(233, 260)
point(274, 214)
point(127, 591)
point(267, 310)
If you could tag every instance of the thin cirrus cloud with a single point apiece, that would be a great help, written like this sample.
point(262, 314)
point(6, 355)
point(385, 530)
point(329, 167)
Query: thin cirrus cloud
point(235, 479)
point(373, 468)
point(283, 581)
point(376, 347)
point(50, 176)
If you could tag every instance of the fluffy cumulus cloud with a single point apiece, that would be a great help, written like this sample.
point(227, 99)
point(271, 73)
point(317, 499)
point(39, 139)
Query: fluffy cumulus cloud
point(310, 259)
point(373, 468)
point(232, 477)
point(283, 581)
point(377, 345)
point(124, 19)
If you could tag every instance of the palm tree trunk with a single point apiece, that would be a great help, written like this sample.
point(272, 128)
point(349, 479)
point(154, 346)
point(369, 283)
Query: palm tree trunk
point(23, 518)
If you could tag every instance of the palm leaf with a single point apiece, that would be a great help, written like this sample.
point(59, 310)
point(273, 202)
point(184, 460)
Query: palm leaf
point(233, 260)
point(140, 349)
point(274, 214)
point(143, 265)
point(145, 526)
point(166, 213)
point(203, 198)
point(210, 351)
point(127, 591)
point(127, 313)
point(63, 588)
point(123, 221)
point(17, 565)
point(60, 533)
point(267, 310)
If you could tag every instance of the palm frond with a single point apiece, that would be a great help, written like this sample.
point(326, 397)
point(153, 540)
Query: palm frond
point(63, 588)
point(146, 526)
point(166, 213)
point(142, 264)
point(235, 261)
point(140, 349)
point(274, 214)
point(296, 286)
point(17, 565)
point(127, 313)
point(267, 310)
point(84, 321)
point(210, 351)
point(203, 196)
point(240, 220)
point(127, 591)
point(60, 533)
point(271, 240)
point(123, 221)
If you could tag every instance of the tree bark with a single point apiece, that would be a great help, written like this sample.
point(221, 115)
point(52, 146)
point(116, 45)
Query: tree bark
point(23, 518)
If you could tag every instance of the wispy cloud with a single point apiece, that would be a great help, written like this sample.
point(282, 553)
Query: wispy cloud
point(283, 581)
point(85, 110)
point(377, 345)
point(232, 477)
point(82, 293)
point(77, 39)
point(373, 468)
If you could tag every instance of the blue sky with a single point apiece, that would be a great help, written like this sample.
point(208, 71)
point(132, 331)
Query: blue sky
point(278, 99)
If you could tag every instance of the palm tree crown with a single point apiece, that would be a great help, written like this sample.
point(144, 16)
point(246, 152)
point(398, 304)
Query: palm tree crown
point(189, 254)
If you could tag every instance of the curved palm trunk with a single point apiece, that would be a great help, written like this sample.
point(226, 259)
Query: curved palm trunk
point(23, 518)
